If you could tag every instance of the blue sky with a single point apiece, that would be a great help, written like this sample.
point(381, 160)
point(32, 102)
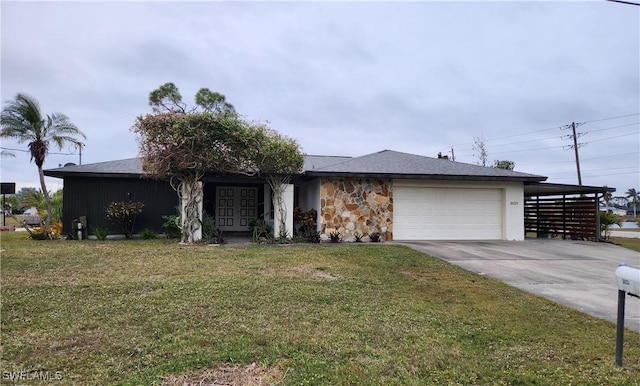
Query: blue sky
point(345, 78)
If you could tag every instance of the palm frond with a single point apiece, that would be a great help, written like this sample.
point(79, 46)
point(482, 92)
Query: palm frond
point(21, 119)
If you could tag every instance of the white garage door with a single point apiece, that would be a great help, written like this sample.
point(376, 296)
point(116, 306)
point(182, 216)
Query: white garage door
point(421, 213)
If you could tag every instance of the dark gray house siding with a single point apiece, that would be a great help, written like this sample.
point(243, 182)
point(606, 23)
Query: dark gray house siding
point(90, 197)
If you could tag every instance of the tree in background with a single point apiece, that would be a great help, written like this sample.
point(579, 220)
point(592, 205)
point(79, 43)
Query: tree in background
point(167, 98)
point(32, 197)
point(9, 202)
point(633, 196)
point(213, 102)
point(22, 120)
point(182, 146)
point(504, 164)
point(480, 147)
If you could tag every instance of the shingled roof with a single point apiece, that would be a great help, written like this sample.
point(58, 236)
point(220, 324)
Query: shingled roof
point(386, 163)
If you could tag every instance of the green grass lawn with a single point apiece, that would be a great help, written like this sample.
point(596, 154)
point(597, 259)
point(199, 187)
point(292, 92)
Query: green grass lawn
point(144, 311)
point(627, 242)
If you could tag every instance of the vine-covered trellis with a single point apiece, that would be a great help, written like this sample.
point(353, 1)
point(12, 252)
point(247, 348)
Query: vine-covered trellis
point(182, 147)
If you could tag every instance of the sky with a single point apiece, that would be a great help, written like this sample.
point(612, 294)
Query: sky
point(344, 78)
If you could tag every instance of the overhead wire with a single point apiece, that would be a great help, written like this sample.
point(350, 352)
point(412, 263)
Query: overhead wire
point(548, 129)
point(466, 151)
point(27, 151)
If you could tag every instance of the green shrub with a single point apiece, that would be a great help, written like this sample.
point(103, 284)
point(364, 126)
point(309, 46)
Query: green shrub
point(124, 215)
point(335, 237)
point(101, 233)
point(210, 233)
point(606, 220)
point(259, 228)
point(357, 237)
point(313, 237)
point(374, 237)
point(171, 226)
point(149, 234)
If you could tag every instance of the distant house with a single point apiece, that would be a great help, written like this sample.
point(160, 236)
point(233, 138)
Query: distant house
point(402, 196)
point(32, 211)
point(614, 210)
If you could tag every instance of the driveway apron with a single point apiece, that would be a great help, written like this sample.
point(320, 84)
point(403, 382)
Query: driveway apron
point(578, 274)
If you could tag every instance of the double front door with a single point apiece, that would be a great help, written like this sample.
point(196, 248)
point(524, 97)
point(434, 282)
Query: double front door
point(236, 207)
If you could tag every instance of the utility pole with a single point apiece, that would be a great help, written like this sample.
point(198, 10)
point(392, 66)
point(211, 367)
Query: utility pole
point(453, 156)
point(575, 146)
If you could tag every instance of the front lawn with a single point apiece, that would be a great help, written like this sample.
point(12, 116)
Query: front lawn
point(627, 242)
point(152, 311)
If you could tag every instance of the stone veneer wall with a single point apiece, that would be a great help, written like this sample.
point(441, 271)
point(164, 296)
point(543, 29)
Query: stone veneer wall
point(356, 205)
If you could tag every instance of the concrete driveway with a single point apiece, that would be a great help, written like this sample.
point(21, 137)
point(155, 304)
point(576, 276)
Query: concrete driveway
point(578, 274)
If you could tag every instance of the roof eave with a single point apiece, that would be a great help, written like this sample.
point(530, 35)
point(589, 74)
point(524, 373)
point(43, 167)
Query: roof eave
point(62, 174)
point(444, 177)
point(533, 189)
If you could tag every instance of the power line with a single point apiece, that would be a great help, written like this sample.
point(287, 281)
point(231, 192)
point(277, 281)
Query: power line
point(617, 136)
point(27, 151)
point(597, 170)
point(624, 2)
point(596, 175)
point(610, 118)
point(614, 127)
point(585, 159)
point(611, 156)
point(448, 148)
point(522, 150)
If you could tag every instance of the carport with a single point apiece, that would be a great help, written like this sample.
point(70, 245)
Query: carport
point(563, 211)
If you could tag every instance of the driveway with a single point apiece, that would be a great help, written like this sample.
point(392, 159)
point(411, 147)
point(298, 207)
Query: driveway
point(578, 274)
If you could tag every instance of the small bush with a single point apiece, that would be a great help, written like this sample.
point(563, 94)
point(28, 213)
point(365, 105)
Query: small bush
point(283, 239)
point(374, 237)
point(210, 233)
point(101, 233)
point(312, 237)
point(335, 237)
point(149, 234)
point(357, 237)
point(124, 214)
point(259, 228)
point(40, 233)
point(171, 226)
point(306, 220)
point(606, 220)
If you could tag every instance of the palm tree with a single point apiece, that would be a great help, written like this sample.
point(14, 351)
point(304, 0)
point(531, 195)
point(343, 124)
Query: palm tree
point(21, 119)
point(632, 194)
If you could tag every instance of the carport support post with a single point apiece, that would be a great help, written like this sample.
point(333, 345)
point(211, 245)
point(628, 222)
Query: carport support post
point(620, 327)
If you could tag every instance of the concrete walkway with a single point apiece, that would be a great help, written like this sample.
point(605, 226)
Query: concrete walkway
point(578, 274)
point(629, 234)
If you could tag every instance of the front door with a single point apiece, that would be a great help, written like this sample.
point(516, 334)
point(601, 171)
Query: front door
point(236, 207)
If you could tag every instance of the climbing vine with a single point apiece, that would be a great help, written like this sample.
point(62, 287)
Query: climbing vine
point(183, 146)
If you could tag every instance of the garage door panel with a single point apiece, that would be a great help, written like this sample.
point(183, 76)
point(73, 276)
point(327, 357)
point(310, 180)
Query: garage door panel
point(447, 213)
